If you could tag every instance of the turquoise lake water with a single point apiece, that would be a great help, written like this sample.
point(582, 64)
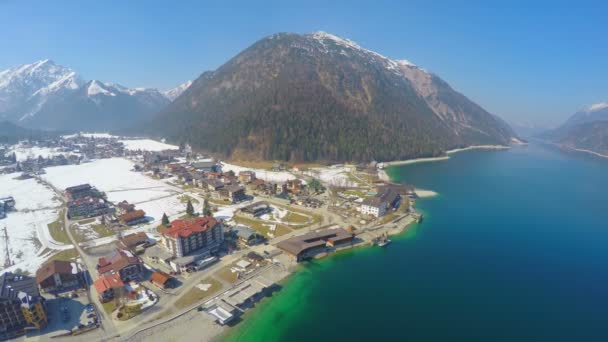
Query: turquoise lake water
point(515, 248)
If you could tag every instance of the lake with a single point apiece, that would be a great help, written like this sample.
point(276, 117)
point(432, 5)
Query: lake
point(514, 247)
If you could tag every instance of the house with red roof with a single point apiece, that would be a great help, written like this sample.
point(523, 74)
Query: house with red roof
point(202, 235)
point(122, 262)
point(107, 285)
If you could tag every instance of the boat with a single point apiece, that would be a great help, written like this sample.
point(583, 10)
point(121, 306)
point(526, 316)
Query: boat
point(383, 240)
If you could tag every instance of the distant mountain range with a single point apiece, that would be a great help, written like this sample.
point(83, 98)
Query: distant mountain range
point(48, 96)
point(317, 96)
point(587, 129)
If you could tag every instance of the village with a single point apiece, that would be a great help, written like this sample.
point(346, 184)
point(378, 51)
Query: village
point(137, 233)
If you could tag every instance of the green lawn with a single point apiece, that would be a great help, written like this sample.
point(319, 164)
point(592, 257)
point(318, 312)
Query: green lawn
point(185, 198)
point(66, 255)
point(227, 275)
point(102, 230)
point(109, 306)
point(195, 294)
point(261, 226)
point(296, 218)
point(57, 230)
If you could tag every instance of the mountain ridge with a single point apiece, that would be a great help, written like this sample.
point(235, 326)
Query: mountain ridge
point(321, 97)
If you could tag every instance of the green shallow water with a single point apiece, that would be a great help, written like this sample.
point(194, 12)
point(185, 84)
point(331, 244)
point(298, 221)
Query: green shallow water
point(515, 248)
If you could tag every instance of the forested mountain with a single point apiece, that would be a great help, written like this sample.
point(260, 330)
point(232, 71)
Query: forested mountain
point(320, 97)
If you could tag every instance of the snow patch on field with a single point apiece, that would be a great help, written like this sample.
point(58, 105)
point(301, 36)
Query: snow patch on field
point(113, 176)
point(336, 176)
point(147, 145)
point(35, 208)
point(269, 176)
point(23, 152)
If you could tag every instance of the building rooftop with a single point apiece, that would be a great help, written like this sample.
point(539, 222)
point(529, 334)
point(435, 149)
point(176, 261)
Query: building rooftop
point(116, 261)
point(56, 266)
point(12, 284)
point(132, 215)
point(185, 227)
point(298, 244)
point(108, 282)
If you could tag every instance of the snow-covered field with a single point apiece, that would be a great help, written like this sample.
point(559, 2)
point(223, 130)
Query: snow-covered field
point(336, 176)
point(23, 152)
point(269, 176)
point(147, 145)
point(35, 207)
point(115, 178)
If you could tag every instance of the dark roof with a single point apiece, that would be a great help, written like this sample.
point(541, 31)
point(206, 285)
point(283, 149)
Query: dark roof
point(203, 164)
point(56, 266)
point(298, 244)
point(244, 232)
point(388, 195)
point(234, 188)
point(80, 187)
point(11, 284)
point(252, 208)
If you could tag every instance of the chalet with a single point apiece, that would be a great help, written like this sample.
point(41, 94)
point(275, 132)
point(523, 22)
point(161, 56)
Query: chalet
point(214, 184)
point(257, 184)
point(161, 279)
point(205, 166)
point(247, 236)
point(202, 235)
point(107, 285)
point(232, 193)
point(122, 262)
point(135, 242)
point(294, 185)
point(58, 276)
point(256, 209)
point(124, 207)
point(133, 217)
point(246, 176)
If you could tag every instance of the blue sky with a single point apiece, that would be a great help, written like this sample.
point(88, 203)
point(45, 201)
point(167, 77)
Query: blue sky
point(525, 62)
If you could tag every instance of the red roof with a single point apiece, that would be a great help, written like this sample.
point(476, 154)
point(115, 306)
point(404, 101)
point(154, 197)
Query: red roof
point(107, 282)
point(183, 228)
point(160, 278)
point(116, 261)
point(132, 215)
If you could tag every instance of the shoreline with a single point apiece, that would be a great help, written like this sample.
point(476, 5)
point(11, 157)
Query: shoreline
point(582, 150)
point(447, 156)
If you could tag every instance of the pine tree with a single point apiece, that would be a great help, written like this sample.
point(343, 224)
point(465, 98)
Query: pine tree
point(165, 219)
point(189, 208)
point(206, 208)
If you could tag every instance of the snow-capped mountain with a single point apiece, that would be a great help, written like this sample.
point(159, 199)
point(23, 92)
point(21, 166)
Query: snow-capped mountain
point(25, 89)
point(174, 93)
point(50, 96)
point(594, 112)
